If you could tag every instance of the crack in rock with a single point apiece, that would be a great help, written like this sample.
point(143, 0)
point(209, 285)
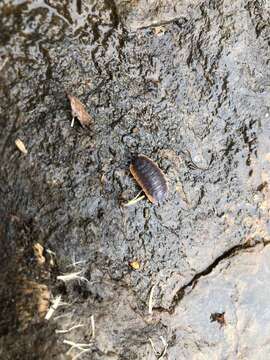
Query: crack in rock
point(235, 250)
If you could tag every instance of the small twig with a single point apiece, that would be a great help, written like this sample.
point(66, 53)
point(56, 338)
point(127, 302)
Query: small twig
point(4, 64)
point(165, 347)
point(70, 314)
point(72, 276)
point(158, 354)
point(76, 263)
point(50, 252)
point(93, 326)
point(82, 352)
point(52, 256)
point(55, 304)
point(150, 304)
point(68, 330)
point(72, 121)
point(64, 303)
point(153, 346)
point(135, 200)
point(78, 346)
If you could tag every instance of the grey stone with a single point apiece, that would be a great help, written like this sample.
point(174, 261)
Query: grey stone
point(188, 86)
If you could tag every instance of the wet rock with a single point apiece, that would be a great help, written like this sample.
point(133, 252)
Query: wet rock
point(193, 81)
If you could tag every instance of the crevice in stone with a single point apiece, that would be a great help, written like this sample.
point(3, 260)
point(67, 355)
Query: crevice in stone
point(235, 250)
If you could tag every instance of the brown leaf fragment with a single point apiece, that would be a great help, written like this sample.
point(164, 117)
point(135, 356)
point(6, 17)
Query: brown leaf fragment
point(20, 145)
point(159, 30)
point(218, 317)
point(79, 111)
point(32, 299)
point(38, 251)
point(135, 265)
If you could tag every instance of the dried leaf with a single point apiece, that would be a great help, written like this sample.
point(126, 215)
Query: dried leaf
point(38, 251)
point(218, 317)
point(32, 298)
point(79, 111)
point(159, 30)
point(20, 145)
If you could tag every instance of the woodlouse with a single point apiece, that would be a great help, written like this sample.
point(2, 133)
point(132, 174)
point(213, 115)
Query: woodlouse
point(151, 179)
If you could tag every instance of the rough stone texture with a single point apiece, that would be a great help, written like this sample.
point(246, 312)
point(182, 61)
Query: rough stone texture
point(187, 86)
point(237, 287)
point(139, 14)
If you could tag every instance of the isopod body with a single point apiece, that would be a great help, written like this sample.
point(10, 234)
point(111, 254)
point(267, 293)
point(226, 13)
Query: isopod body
point(151, 179)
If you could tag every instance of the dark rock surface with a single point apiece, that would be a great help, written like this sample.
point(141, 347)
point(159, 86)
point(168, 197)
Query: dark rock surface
point(187, 85)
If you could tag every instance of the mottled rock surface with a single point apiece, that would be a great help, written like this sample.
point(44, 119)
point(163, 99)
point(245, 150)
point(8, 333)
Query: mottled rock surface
point(186, 83)
point(237, 286)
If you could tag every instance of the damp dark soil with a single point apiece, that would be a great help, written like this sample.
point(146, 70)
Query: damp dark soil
point(186, 83)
